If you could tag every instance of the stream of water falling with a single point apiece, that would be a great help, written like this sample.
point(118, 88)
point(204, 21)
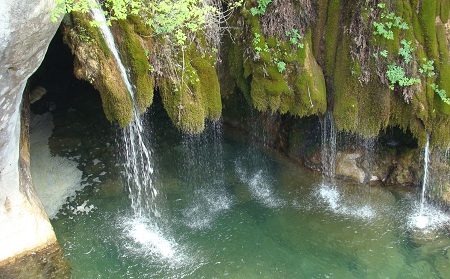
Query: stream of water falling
point(426, 159)
point(328, 148)
point(137, 152)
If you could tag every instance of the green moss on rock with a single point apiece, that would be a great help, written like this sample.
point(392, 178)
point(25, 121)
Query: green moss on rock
point(94, 64)
point(137, 62)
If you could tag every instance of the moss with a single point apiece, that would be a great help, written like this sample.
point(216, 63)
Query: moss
point(332, 33)
point(195, 96)
point(140, 26)
point(445, 10)
point(137, 61)
point(209, 86)
point(267, 86)
point(236, 68)
point(116, 101)
point(95, 64)
point(310, 89)
point(443, 68)
point(83, 24)
point(427, 18)
point(182, 108)
point(319, 28)
point(355, 103)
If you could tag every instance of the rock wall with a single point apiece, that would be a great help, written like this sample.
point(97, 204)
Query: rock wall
point(25, 33)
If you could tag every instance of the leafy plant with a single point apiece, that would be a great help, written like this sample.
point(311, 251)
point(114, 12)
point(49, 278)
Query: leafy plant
point(396, 75)
point(427, 68)
point(295, 38)
point(281, 66)
point(441, 92)
point(261, 9)
point(406, 50)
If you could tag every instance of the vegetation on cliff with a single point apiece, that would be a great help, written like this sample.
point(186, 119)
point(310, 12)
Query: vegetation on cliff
point(356, 58)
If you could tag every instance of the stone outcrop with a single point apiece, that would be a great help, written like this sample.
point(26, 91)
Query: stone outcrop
point(25, 33)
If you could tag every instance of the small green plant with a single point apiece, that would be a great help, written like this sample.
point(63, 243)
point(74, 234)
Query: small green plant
point(261, 9)
point(281, 66)
point(256, 41)
point(441, 93)
point(427, 68)
point(380, 29)
point(384, 53)
point(295, 38)
point(396, 75)
point(406, 50)
point(387, 22)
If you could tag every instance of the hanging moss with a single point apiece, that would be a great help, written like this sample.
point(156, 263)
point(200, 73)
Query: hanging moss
point(195, 95)
point(332, 33)
point(236, 67)
point(443, 68)
point(95, 64)
point(427, 19)
point(318, 30)
point(209, 86)
point(445, 10)
point(137, 62)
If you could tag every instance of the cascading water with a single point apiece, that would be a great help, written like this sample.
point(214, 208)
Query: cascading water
point(328, 148)
point(421, 219)
point(145, 227)
point(137, 153)
point(425, 175)
point(203, 174)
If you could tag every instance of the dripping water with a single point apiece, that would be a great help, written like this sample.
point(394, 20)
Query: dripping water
point(425, 175)
point(328, 149)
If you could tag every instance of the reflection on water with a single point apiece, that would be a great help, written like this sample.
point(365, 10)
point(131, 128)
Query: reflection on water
point(232, 211)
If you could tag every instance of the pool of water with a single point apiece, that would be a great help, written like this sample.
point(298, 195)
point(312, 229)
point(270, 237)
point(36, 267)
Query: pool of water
point(227, 209)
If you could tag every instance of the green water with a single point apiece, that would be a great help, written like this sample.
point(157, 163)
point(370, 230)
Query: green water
point(230, 210)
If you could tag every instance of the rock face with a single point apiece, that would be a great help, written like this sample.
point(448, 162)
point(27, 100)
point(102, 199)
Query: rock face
point(25, 33)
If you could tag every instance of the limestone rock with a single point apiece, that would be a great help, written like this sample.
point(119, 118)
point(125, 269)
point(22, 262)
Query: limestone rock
point(25, 33)
point(346, 165)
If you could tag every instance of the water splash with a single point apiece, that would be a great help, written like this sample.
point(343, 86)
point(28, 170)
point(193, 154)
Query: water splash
point(203, 174)
point(331, 196)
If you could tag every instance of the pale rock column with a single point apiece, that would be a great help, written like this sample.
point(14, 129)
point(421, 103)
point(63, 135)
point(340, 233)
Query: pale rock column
point(25, 33)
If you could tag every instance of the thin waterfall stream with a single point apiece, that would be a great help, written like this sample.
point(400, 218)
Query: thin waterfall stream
point(137, 152)
point(426, 159)
point(146, 228)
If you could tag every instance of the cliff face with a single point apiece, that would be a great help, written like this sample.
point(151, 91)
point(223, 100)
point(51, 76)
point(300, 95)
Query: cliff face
point(25, 33)
point(375, 65)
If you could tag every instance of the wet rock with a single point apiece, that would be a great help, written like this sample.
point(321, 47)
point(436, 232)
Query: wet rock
point(37, 93)
point(347, 166)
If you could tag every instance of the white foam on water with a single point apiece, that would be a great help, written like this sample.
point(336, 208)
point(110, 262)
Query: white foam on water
point(84, 208)
point(207, 205)
point(331, 196)
point(431, 219)
point(150, 241)
point(260, 187)
point(55, 178)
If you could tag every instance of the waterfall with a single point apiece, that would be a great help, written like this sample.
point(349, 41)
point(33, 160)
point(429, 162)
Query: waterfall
point(328, 148)
point(425, 175)
point(137, 152)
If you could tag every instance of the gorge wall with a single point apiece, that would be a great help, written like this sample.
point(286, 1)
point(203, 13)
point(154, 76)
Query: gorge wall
point(25, 33)
point(380, 67)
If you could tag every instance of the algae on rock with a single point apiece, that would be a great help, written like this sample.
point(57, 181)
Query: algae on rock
point(95, 64)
